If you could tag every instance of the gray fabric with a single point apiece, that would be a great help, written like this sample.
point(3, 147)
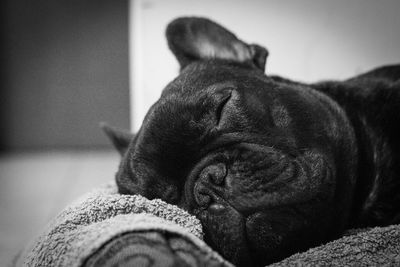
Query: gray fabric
point(105, 228)
point(91, 222)
point(150, 248)
point(378, 246)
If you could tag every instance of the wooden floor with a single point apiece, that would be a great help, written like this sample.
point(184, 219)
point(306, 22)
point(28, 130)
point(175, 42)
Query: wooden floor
point(34, 187)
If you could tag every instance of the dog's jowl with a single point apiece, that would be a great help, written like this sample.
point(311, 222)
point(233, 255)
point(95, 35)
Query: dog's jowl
point(270, 166)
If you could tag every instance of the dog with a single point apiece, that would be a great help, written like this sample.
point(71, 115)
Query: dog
point(270, 166)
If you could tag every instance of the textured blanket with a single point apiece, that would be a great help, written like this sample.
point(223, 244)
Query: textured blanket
point(105, 228)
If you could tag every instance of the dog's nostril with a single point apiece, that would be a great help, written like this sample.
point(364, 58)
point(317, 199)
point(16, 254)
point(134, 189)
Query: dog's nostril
point(214, 173)
point(201, 196)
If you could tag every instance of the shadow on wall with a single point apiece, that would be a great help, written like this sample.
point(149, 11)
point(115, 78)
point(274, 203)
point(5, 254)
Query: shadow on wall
point(65, 68)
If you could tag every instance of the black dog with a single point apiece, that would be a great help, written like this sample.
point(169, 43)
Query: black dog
point(270, 166)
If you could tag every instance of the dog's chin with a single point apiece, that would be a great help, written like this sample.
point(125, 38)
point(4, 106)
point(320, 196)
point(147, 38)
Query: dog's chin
point(225, 230)
point(249, 240)
point(243, 240)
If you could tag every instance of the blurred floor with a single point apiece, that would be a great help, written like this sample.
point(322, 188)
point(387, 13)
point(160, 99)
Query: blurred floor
point(34, 187)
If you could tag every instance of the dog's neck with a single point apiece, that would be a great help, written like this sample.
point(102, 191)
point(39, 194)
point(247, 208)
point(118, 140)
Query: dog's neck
point(373, 111)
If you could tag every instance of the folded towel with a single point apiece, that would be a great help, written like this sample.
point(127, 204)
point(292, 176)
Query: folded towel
point(85, 234)
point(379, 246)
point(105, 228)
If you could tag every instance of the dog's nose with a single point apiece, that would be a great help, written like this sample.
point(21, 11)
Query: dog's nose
point(202, 195)
point(210, 177)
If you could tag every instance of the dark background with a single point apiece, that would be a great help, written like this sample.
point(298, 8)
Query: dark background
point(64, 69)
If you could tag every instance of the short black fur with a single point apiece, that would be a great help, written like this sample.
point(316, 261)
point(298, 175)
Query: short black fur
point(270, 166)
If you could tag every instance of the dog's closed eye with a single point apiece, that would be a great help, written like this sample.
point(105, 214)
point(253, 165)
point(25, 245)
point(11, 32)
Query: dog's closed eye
point(223, 101)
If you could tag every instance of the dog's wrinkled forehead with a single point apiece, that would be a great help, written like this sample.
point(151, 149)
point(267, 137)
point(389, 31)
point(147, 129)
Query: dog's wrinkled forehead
point(197, 97)
point(189, 106)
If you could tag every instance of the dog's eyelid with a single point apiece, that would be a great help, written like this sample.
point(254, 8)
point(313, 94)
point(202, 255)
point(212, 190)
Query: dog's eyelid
point(221, 106)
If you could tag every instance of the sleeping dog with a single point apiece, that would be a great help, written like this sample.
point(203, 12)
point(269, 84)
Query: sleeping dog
point(270, 166)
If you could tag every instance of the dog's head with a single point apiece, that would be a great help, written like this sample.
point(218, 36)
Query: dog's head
point(265, 165)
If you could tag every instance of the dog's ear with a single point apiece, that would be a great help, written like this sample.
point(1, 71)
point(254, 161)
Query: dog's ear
point(192, 38)
point(119, 138)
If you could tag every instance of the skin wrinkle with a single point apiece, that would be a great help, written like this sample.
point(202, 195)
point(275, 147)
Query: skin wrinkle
point(371, 200)
point(280, 115)
point(257, 193)
point(241, 172)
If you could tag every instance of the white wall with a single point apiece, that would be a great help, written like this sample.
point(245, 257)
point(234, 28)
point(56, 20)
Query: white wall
point(308, 40)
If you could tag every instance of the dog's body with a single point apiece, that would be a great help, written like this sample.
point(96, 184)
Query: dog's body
point(270, 166)
point(372, 104)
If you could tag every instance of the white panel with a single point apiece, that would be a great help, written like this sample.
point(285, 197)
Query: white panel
point(308, 40)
